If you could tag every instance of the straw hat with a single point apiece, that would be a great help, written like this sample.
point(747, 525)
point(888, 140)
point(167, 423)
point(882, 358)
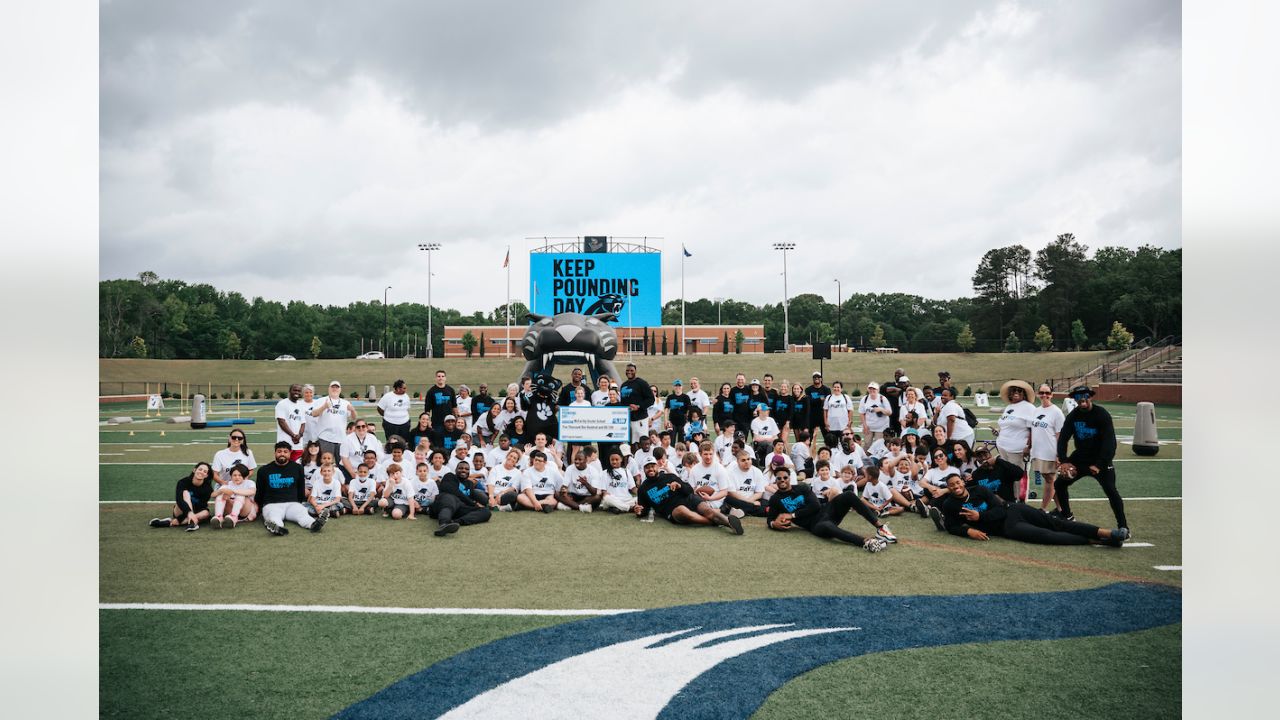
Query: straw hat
point(1027, 392)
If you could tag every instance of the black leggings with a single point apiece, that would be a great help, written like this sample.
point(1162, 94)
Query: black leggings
point(1106, 478)
point(755, 509)
point(448, 508)
point(831, 514)
point(1033, 525)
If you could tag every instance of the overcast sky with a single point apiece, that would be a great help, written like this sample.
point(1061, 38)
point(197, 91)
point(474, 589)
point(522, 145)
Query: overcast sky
point(301, 150)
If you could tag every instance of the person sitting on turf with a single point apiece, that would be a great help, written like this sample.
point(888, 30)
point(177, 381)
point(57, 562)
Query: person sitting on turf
point(362, 491)
point(902, 480)
point(797, 506)
point(764, 430)
point(456, 505)
point(977, 513)
point(326, 494)
point(745, 495)
point(238, 493)
point(425, 490)
point(282, 494)
point(676, 501)
point(540, 483)
point(997, 474)
point(236, 451)
point(708, 477)
point(310, 462)
point(397, 494)
point(877, 494)
point(504, 482)
point(191, 500)
point(618, 487)
point(579, 491)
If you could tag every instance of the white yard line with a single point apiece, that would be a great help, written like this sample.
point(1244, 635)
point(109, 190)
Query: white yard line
point(363, 610)
point(1177, 568)
point(1102, 499)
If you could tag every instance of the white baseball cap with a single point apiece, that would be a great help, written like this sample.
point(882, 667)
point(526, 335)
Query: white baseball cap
point(335, 383)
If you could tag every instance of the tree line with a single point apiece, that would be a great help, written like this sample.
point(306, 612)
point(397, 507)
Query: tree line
point(1062, 297)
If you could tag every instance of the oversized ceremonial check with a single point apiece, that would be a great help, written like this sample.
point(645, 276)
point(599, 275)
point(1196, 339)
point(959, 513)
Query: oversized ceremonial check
point(594, 424)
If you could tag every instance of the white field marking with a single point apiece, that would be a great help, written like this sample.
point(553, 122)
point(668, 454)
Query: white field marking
point(106, 454)
point(134, 502)
point(1123, 440)
point(149, 463)
point(1147, 460)
point(161, 446)
point(1133, 545)
point(1101, 499)
point(361, 609)
point(136, 449)
point(1177, 568)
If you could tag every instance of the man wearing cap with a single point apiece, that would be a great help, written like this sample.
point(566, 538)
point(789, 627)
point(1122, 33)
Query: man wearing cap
point(334, 413)
point(817, 393)
point(1095, 449)
point(677, 405)
point(281, 494)
point(875, 410)
point(439, 400)
point(393, 407)
point(447, 434)
point(698, 396)
point(675, 500)
point(796, 505)
point(997, 474)
point(638, 395)
point(764, 430)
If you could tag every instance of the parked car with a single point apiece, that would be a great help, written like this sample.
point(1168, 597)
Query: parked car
point(372, 355)
point(285, 357)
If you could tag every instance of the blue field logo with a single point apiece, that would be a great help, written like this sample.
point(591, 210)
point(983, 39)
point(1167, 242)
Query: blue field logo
point(721, 660)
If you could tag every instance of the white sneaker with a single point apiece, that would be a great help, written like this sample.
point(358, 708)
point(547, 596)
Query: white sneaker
point(504, 508)
point(885, 534)
point(738, 513)
point(584, 507)
point(562, 506)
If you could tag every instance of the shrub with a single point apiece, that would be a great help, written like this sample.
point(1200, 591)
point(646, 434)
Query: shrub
point(968, 391)
point(254, 395)
point(355, 395)
point(418, 396)
point(226, 396)
point(282, 394)
point(856, 393)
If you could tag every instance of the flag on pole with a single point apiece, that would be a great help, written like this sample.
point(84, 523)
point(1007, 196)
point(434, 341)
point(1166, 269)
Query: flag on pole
point(506, 261)
point(685, 250)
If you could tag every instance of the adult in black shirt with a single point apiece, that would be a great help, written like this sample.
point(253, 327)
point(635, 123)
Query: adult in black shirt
point(282, 494)
point(638, 395)
point(677, 405)
point(996, 474)
point(977, 513)
point(191, 500)
point(439, 400)
point(458, 503)
point(816, 394)
point(1095, 450)
point(743, 410)
point(797, 506)
point(799, 409)
point(481, 402)
point(675, 500)
point(447, 436)
point(722, 407)
point(567, 392)
point(423, 430)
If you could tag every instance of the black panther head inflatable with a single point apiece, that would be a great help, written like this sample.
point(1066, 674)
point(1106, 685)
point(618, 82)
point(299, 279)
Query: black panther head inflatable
point(570, 339)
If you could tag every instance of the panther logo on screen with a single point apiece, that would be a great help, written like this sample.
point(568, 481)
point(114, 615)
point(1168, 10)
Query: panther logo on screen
point(607, 303)
point(723, 659)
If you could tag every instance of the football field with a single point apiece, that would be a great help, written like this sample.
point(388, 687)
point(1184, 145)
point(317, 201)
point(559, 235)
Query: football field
point(572, 615)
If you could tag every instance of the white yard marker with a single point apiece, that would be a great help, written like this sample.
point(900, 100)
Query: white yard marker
point(1176, 568)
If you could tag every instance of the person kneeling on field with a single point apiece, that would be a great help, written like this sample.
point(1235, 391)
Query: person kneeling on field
point(191, 500)
point(456, 505)
point(579, 491)
point(976, 512)
point(797, 506)
point(282, 494)
point(675, 500)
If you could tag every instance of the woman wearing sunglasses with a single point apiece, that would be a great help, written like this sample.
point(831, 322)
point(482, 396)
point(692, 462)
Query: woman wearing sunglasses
point(1045, 427)
point(236, 451)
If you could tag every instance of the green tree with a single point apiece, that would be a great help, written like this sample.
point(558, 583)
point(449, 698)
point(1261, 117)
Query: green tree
point(965, 340)
point(1078, 338)
point(726, 343)
point(137, 347)
point(468, 342)
point(315, 347)
point(1043, 338)
point(664, 342)
point(231, 345)
point(1064, 267)
point(676, 341)
point(738, 337)
point(1012, 344)
point(481, 344)
point(1120, 337)
point(877, 337)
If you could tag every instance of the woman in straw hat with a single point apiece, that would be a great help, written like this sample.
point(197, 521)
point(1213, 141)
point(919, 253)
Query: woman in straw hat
point(1013, 442)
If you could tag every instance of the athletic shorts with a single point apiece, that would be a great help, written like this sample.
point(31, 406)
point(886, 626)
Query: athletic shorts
point(1046, 468)
point(691, 503)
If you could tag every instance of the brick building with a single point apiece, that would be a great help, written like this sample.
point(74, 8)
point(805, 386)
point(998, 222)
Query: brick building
point(698, 339)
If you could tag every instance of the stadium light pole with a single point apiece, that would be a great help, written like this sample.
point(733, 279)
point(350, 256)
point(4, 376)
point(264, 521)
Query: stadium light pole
point(718, 301)
point(786, 321)
point(429, 248)
point(838, 303)
point(384, 319)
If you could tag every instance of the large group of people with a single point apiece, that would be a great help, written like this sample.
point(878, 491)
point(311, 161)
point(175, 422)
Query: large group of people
point(793, 454)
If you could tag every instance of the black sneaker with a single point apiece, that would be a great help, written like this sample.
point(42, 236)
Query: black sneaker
point(735, 524)
point(192, 528)
point(319, 522)
point(275, 529)
point(1118, 536)
point(920, 507)
point(159, 522)
point(936, 516)
point(446, 529)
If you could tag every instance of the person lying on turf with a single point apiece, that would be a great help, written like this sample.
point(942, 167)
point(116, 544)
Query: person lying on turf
point(191, 500)
point(675, 500)
point(797, 506)
point(977, 513)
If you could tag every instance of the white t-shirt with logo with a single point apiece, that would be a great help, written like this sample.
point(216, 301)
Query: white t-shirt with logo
point(311, 430)
point(395, 408)
point(875, 422)
point(542, 483)
point(698, 398)
point(617, 482)
point(425, 491)
point(573, 478)
point(501, 479)
point(837, 407)
point(960, 428)
point(1046, 423)
point(402, 491)
point(362, 488)
point(225, 459)
point(354, 448)
point(937, 477)
point(820, 486)
point(876, 492)
point(714, 475)
point(918, 408)
point(764, 426)
point(1015, 427)
point(333, 421)
point(749, 481)
point(291, 412)
point(325, 492)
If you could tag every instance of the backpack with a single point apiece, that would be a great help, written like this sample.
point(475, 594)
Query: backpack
point(970, 418)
